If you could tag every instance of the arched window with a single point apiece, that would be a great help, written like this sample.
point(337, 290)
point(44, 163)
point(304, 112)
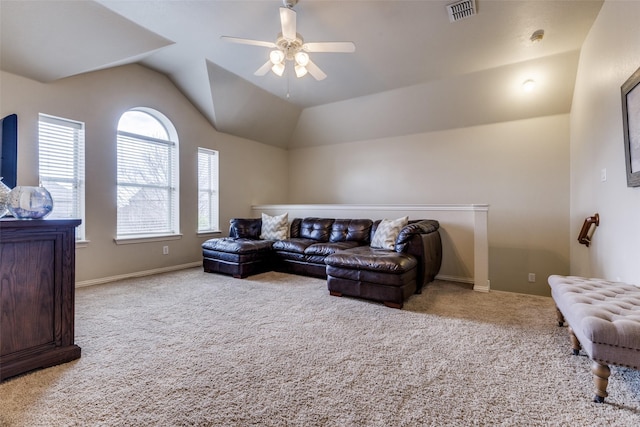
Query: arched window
point(148, 203)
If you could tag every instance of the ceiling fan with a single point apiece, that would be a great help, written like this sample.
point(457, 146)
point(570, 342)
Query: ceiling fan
point(290, 46)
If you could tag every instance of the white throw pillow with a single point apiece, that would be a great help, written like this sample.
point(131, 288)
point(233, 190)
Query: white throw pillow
point(275, 227)
point(387, 233)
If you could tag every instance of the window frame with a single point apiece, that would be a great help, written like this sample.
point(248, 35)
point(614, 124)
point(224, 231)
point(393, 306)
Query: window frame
point(172, 229)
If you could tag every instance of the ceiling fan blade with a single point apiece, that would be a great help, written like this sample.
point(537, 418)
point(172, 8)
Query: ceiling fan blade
point(248, 41)
point(264, 69)
point(288, 21)
point(338, 47)
point(316, 72)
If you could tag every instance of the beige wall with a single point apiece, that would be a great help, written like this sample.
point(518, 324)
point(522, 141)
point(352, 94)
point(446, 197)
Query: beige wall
point(250, 172)
point(519, 168)
point(611, 53)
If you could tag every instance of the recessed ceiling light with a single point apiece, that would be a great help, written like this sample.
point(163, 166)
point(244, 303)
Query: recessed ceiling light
point(529, 85)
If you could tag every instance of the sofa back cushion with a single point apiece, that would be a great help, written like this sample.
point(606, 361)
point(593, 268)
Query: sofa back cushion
point(351, 230)
point(316, 228)
point(245, 228)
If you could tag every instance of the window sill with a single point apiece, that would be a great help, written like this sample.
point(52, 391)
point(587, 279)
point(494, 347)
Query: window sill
point(82, 243)
point(208, 233)
point(142, 239)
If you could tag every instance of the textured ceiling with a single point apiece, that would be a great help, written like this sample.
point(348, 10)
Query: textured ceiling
point(399, 45)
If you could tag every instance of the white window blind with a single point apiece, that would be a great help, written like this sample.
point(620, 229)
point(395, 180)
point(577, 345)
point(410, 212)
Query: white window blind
point(147, 176)
point(207, 190)
point(61, 166)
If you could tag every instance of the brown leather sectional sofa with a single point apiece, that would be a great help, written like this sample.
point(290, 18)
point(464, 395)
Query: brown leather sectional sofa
point(336, 249)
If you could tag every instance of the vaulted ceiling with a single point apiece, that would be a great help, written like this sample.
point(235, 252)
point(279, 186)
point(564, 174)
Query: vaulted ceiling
point(403, 49)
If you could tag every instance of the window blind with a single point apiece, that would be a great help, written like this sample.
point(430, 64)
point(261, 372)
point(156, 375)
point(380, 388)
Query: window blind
point(208, 190)
point(147, 194)
point(61, 166)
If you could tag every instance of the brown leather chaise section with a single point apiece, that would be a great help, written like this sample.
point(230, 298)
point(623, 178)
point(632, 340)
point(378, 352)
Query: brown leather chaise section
point(390, 276)
point(377, 274)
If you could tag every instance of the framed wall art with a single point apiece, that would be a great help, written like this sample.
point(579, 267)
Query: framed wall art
point(631, 125)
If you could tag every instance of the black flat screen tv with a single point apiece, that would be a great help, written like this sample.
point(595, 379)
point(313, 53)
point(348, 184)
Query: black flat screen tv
point(9, 150)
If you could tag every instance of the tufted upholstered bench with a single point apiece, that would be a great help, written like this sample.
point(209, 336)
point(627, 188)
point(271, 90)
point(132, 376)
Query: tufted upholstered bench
point(603, 319)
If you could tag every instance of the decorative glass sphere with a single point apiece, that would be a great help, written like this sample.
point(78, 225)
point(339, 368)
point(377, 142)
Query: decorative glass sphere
point(27, 202)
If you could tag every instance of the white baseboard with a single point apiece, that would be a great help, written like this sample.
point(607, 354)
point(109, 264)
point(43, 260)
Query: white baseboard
point(468, 280)
point(447, 278)
point(137, 274)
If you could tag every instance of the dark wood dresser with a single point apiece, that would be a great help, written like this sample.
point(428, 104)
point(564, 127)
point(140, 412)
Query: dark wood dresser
point(37, 294)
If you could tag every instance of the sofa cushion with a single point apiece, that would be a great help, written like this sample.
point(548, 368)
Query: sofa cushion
point(316, 228)
point(347, 230)
point(328, 248)
point(295, 244)
point(245, 228)
point(367, 258)
point(237, 246)
point(275, 227)
point(387, 233)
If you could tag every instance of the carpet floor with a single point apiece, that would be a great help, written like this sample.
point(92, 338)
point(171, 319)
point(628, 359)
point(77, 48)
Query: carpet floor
point(191, 348)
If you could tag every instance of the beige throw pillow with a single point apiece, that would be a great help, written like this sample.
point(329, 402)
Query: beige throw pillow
point(387, 233)
point(275, 227)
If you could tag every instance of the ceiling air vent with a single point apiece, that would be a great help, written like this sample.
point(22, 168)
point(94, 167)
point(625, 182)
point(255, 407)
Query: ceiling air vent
point(461, 9)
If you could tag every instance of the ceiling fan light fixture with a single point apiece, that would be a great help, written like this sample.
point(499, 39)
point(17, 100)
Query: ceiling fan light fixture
point(276, 57)
point(278, 69)
point(291, 47)
point(301, 71)
point(302, 58)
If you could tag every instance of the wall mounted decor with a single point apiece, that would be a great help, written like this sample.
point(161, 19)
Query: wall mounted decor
point(631, 125)
point(9, 149)
point(588, 228)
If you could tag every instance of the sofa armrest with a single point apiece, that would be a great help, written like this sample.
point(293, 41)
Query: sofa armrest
point(294, 230)
point(422, 240)
point(424, 226)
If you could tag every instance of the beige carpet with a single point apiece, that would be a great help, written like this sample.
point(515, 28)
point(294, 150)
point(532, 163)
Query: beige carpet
point(190, 348)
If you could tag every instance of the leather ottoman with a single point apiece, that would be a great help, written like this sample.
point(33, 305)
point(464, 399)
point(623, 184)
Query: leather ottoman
point(376, 274)
point(237, 257)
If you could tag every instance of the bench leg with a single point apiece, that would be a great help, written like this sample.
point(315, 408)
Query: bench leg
point(575, 344)
point(601, 380)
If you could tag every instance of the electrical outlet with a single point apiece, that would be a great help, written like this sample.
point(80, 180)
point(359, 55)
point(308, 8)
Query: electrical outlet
point(165, 250)
point(603, 175)
point(532, 277)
